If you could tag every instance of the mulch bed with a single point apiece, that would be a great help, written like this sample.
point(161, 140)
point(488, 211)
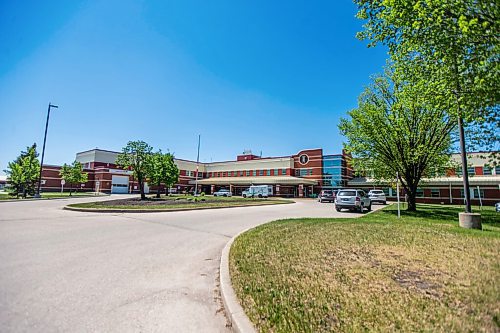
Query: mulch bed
point(161, 201)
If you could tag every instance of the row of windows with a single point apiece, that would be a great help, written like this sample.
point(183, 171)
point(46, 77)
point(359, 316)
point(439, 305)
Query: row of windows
point(487, 171)
point(248, 173)
point(436, 193)
point(303, 172)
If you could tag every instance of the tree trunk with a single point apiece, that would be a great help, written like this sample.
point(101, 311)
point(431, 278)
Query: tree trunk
point(412, 200)
point(158, 191)
point(141, 187)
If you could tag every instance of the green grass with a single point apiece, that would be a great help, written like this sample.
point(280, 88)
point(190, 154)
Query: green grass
point(421, 273)
point(48, 195)
point(178, 202)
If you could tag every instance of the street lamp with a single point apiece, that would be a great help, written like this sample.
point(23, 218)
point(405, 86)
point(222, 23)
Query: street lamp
point(37, 195)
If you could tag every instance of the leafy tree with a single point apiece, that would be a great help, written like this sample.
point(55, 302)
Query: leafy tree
point(396, 131)
point(23, 173)
point(456, 42)
point(73, 174)
point(162, 169)
point(135, 156)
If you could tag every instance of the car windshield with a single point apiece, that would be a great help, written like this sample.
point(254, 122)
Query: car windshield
point(327, 192)
point(377, 192)
point(347, 193)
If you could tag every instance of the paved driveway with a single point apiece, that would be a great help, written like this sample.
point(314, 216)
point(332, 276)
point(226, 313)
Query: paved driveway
point(86, 272)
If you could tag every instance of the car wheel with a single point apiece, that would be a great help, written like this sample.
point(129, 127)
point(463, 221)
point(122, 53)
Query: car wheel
point(338, 209)
point(225, 195)
point(321, 201)
point(385, 202)
point(369, 207)
point(260, 195)
point(215, 195)
point(244, 195)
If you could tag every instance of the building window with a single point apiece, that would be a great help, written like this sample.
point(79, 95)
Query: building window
point(471, 171)
point(486, 170)
point(420, 193)
point(268, 172)
point(497, 170)
point(254, 173)
point(218, 174)
point(386, 192)
point(435, 193)
point(248, 172)
point(297, 172)
point(304, 172)
point(276, 172)
point(283, 172)
point(261, 172)
point(476, 193)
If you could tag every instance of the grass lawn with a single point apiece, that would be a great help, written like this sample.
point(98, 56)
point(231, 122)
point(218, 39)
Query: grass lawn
point(178, 202)
point(49, 195)
point(421, 273)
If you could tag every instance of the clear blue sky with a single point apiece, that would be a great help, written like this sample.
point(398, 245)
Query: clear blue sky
point(271, 76)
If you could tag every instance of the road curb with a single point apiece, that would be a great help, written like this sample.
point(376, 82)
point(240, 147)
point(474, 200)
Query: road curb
point(63, 198)
point(240, 323)
point(97, 210)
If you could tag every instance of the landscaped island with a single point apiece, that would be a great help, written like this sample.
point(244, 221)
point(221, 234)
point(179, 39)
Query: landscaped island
point(374, 273)
point(177, 202)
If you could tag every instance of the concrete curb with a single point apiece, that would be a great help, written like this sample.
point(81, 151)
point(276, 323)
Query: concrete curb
point(63, 198)
point(111, 210)
point(236, 315)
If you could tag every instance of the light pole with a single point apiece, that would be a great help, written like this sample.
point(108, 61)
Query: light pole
point(37, 195)
point(197, 167)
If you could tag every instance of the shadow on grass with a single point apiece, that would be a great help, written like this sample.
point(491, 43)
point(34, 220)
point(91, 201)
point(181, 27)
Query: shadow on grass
point(435, 213)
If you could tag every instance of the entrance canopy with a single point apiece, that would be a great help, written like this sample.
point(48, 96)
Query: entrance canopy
point(262, 180)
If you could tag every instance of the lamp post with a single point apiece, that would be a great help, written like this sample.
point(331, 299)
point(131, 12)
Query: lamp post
point(37, 195)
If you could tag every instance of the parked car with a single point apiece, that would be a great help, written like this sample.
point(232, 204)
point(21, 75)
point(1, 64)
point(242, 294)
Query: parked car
point(352, 199)
point(497, 207)
point(223, 193)
point(377, 196)
point(326, 195)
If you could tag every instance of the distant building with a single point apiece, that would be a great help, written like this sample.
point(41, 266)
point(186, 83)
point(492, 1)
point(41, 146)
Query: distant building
point(447, 187)
point(303, 174)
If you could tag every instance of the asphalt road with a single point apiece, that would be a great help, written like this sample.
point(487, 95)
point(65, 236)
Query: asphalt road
point(92, 272)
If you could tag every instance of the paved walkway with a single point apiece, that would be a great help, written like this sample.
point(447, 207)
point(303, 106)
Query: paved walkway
point(86, 272)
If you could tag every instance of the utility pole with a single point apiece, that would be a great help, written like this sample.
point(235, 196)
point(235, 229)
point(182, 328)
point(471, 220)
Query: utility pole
point(197, 167)
point(37, 195)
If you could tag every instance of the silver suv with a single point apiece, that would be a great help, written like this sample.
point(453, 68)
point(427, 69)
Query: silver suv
point(377, 196)
point(352, 199)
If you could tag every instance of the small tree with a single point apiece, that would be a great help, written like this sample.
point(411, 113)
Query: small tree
point(23, 173)
point(73, 174)
point(396, 131)
point(161, 168)
point(134, 156)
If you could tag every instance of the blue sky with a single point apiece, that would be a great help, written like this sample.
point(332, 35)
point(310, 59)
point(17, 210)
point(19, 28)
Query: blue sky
point(268, 76)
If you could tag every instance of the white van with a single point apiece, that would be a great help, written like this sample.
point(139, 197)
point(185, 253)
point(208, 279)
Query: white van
point(258, 191)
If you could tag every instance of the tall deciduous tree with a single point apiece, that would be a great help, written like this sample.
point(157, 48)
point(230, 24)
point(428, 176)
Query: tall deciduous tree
point(457, 43)
point(73, 174)
point(162, 169)
point(22, 173)
point(135, 156)
point(396, 131)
